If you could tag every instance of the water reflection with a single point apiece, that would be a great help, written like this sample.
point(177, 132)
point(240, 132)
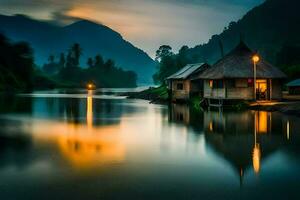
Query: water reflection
point(288, 129)
point(184, 114)
point(105, 145)
point(89, 109)
point(15, 145)
point(242, 138)
point(90, 150)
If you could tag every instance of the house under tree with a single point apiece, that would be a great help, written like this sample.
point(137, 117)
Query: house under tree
point(232, 77)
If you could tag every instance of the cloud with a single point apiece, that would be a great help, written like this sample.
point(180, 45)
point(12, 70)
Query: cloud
point(146, 23)
point(60, 17)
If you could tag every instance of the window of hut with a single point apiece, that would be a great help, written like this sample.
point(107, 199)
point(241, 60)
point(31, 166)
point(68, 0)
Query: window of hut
point(218, 84)
point(230, 83)
point(179, 86)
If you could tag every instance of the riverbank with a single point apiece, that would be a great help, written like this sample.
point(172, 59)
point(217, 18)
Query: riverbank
point(290, 105)
point(157, 95)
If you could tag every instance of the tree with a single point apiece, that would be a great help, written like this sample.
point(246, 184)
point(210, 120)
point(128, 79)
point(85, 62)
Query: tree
point(51, 59)
point(90, 62)
point(182, 57)
point(163, 51)
point(16, 64)
point(221, 48)
point(76, 52)
point(183, 50)
point(288, 59)
point(69, 61)
point(288, 55)
point(99, 62)
point(52, 67)
point(166, 63)
point(24, 62)
point(62, 60)
point(109, 64)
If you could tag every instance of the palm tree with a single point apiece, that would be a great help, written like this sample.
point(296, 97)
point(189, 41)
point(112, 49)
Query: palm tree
point(62, 60)
point(90, 62)
point(109, 64)
point(51, 59)
point(76, 53)
point(99, 61)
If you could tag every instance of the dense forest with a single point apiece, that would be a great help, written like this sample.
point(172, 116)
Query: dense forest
point(104, 73)
point(272, 29)
point(47, 38)
point(16, 65)
point(168, 62)
point(18, 71)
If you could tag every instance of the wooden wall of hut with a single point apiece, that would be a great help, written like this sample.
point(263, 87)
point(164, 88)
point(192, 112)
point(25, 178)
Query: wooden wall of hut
point(188, 89)
point(240, 89)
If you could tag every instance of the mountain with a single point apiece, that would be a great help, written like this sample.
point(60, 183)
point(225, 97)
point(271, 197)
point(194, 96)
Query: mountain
point(46, 38)
point(266, 28)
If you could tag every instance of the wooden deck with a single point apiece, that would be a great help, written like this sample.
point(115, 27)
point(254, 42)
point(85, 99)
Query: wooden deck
point(288, 97)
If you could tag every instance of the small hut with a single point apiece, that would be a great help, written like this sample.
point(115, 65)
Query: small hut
point(233, 77)
point(183, 86)
point(294, 87)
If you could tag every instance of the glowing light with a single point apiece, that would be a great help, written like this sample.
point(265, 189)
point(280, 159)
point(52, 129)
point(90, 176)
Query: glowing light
point(261, 85)
point(256, 155)
point(82, 147)
point(91, 86)
point(255, 58)
point(85, 151)
point(211, 83)
point(89, 112)
point(262, 122)
point(211, 126)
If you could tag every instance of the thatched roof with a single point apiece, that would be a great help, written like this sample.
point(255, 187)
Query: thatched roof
point(188, 71)
point(294, 83)
point(238, 64)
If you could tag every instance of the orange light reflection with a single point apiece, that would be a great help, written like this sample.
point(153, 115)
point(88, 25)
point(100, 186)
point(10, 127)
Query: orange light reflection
point(256, 156)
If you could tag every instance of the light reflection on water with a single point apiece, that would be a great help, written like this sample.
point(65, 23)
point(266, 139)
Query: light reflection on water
point(87, 147)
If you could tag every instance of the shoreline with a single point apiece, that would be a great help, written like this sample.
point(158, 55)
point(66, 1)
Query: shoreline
point(289, 106)
point(159, 95)
point(285, 107)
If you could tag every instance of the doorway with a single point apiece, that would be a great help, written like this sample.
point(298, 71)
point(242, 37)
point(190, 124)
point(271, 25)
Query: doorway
point(261, 90)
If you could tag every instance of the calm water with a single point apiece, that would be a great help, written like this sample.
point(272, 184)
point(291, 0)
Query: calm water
point(85, 146)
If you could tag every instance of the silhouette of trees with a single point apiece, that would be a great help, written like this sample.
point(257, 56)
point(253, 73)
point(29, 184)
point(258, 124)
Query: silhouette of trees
point(16, 64)
point(99, 62)
point(102, 73)
point(62, 60)
point(90, 62)
point(73, 57)
point(51, 59)
point(162, 52)
point(17, 69)
point(168, 62)
point(53, 67)
point(76, 52)
point(288, 59)
point(109, 65)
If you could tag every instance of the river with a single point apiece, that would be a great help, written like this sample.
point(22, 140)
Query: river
point(93, 146)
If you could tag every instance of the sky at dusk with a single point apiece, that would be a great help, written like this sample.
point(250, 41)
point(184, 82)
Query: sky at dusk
point(145, 23)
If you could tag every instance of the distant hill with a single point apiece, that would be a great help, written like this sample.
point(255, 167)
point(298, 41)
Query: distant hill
point(47, 38)
point(266, 28)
